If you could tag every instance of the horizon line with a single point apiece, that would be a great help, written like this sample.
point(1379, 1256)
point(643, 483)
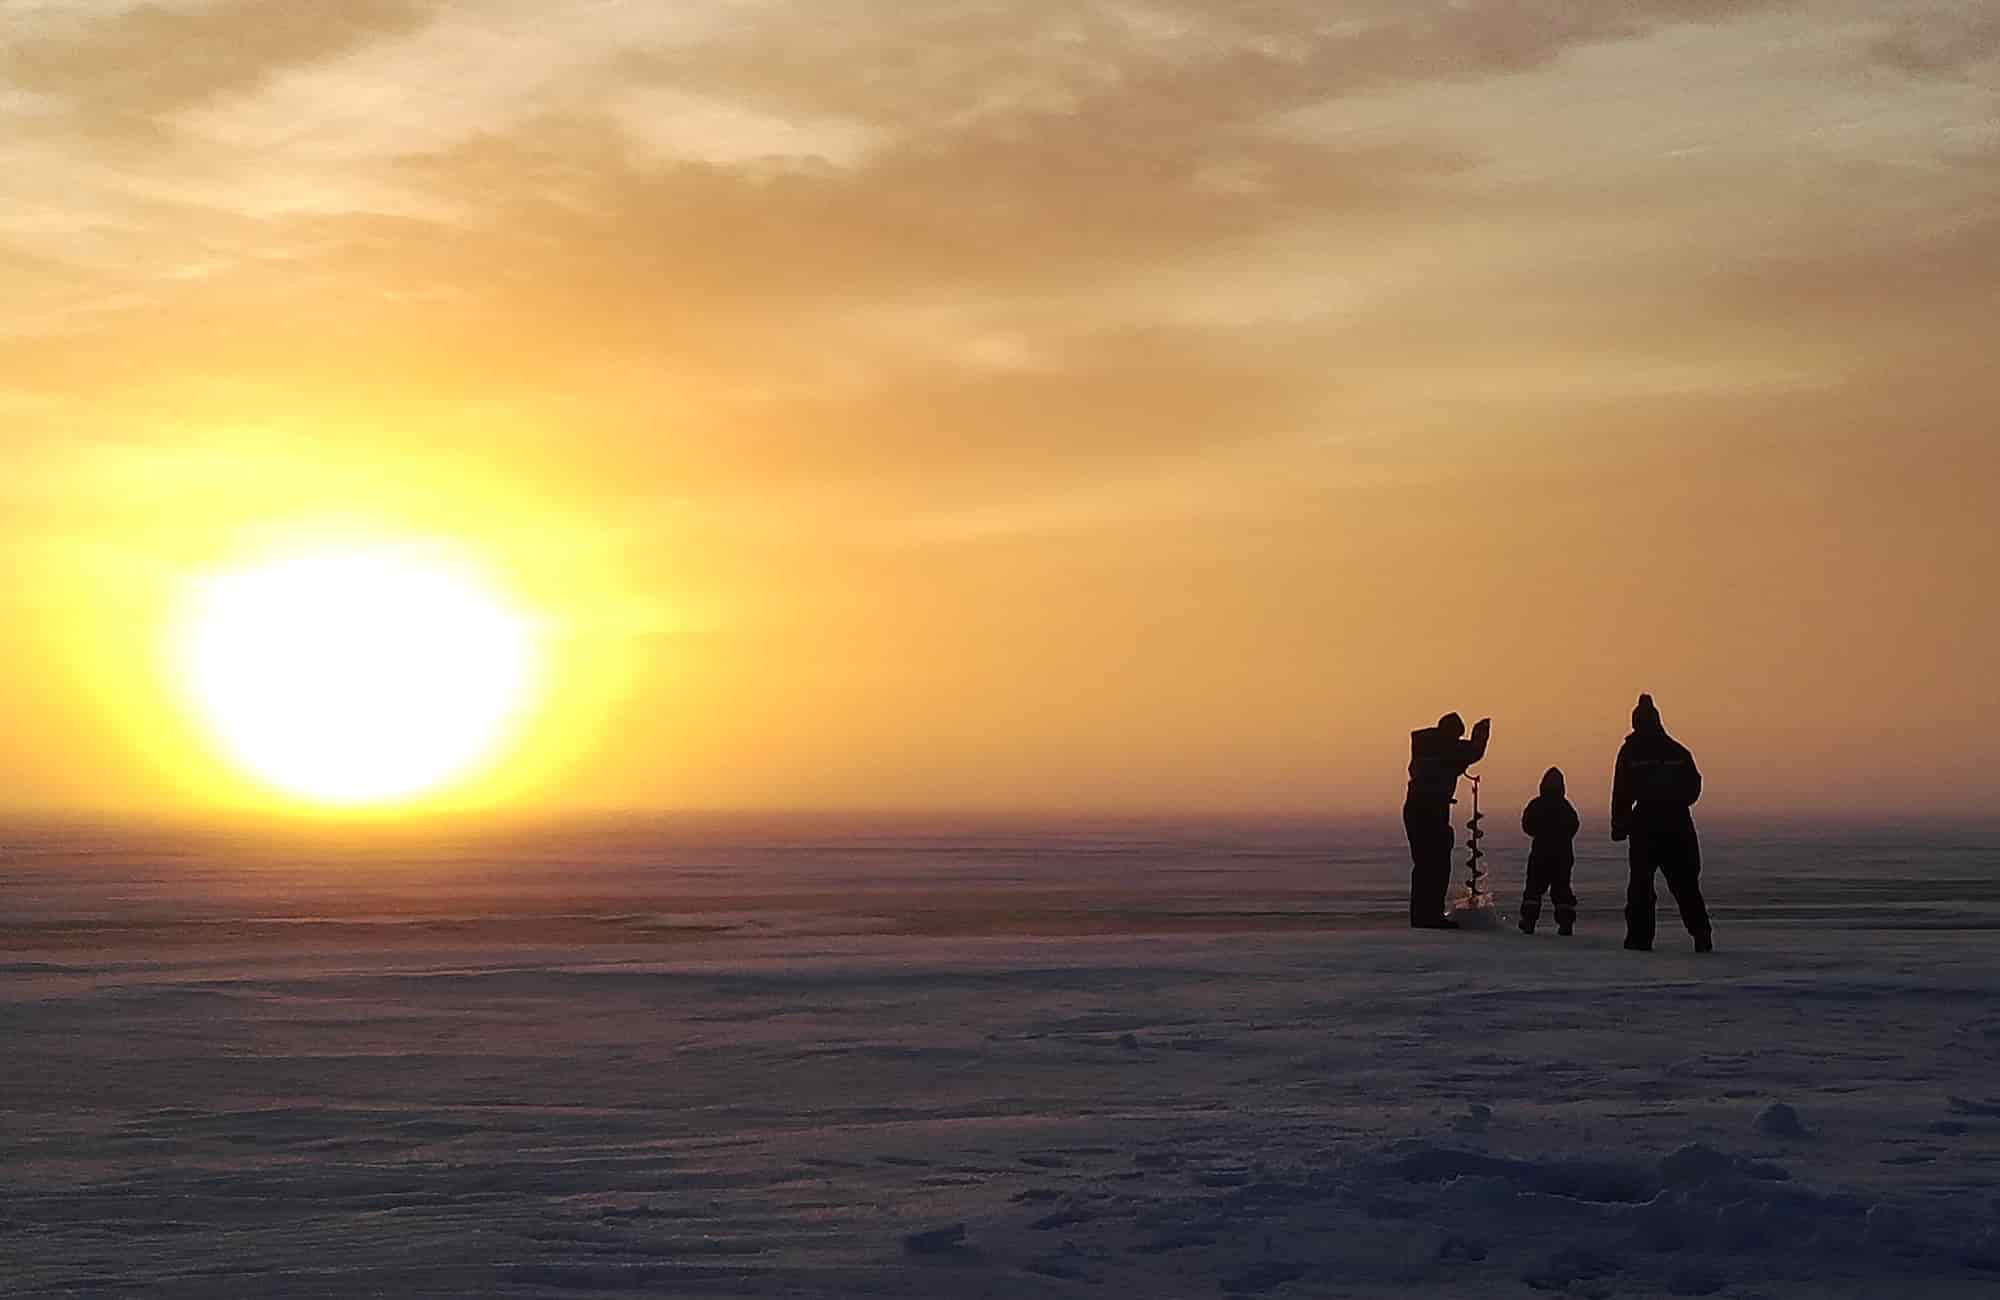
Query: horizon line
point(943, 815)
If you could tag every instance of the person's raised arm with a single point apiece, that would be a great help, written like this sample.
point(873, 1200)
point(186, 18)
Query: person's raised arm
point(1475, 748)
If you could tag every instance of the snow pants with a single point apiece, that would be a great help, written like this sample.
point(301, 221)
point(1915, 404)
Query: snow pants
point(1431, 842)
point(1675, 852)
point(1549, 875)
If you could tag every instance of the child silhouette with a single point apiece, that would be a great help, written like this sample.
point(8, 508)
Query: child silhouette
point(1552, 823)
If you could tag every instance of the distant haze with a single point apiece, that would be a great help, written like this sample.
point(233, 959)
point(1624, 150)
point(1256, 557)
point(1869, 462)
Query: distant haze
point(1141, 406)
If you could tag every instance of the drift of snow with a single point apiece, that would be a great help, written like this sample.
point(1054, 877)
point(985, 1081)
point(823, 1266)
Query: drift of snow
point(832, 1093)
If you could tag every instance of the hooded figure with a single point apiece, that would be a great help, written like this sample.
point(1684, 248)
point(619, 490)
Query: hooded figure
point(1438, 757)
point(1552, 824)
point(1652, 790)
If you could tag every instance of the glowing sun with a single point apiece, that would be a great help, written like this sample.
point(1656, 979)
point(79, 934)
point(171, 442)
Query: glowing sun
point(356, 675)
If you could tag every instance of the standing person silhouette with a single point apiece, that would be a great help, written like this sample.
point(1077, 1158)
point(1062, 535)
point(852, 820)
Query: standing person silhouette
point(1652, 790)
point(1550, 822)
point(1438, 757)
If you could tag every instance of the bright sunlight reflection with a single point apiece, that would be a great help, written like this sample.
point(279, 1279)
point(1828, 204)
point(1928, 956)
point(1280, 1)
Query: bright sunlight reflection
point(356, 675)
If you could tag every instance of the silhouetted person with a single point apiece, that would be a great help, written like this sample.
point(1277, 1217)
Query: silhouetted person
point(1551, 823)
point(1655, 785)
point(1438, 757)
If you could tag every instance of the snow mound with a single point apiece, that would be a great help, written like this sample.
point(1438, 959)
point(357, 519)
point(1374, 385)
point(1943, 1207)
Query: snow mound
point(1577, 1180)
point(1779, 1120)
point(936, 1241)
point(1696, 1165)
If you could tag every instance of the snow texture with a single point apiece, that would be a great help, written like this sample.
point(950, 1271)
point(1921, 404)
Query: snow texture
point(775, 1098)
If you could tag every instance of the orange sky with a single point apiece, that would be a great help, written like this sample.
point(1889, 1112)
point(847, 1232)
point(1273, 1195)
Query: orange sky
point(1140, 405)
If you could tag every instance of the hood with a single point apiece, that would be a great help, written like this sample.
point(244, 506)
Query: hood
point(1552, 783)
point(1645, 717)
point(1452, 725)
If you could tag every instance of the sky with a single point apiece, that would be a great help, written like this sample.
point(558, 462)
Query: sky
point(1145, 405)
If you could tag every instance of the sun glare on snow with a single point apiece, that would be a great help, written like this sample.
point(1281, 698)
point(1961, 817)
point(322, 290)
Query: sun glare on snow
point(356, 675)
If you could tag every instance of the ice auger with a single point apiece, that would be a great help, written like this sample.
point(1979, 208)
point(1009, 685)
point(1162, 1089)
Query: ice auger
point(1476, 896)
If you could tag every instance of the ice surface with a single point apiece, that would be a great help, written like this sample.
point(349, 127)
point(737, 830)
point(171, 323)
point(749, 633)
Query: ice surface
point(1027, 1070)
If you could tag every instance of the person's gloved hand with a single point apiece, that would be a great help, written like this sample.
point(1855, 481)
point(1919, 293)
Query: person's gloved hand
point(1618, 831)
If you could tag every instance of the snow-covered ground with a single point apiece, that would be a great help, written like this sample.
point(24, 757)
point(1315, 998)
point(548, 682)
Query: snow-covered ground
point(809, 1107)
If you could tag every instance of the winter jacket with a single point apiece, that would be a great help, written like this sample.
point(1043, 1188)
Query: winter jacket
point(1654, 784)
point(1437, 760)
point(1551, 822)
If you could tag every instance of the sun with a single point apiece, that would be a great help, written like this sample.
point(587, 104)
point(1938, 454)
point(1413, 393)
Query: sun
point(356, 675)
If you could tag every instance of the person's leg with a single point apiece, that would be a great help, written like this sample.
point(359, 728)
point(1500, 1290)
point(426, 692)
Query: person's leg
point(1418, 834)
point(1422, 833)
point(1430, 862)
point(1639, 893)
point(1438, 884)
point(1531, 896)
point(1681, 865)
point(1563, 896)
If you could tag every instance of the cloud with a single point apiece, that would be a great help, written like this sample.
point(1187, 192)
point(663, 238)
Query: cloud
point(1943, 40)
point(117, 72)
point(867, 246)
point(1193, 66)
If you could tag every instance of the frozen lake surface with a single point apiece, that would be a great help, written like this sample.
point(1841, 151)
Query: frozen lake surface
point(719, 1057)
